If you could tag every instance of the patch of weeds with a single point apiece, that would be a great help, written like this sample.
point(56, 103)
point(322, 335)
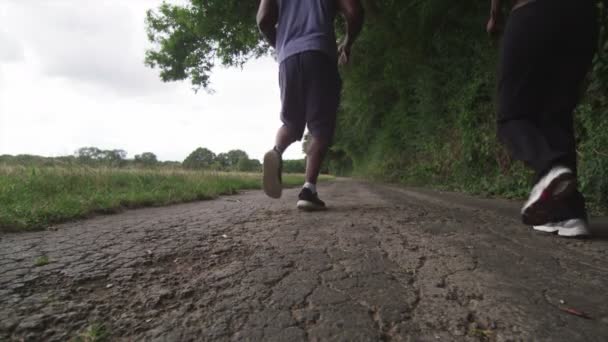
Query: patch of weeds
point(50, 299)
point(93, 333)
point(41, 261)
point(483, 335)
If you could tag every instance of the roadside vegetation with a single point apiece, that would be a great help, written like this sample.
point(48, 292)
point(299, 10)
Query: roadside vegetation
point(36, 192)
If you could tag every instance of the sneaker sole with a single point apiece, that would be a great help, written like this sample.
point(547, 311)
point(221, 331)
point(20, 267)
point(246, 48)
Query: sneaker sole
point(309, 206)
point(550, 230)
point(574, 232)
point(539, 212)
point(271, 183)
point(564, 232)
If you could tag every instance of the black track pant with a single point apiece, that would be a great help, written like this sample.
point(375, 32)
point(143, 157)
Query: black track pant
point(547, 51)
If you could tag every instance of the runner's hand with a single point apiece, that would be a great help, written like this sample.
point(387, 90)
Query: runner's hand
point(493, 28)
point(343, 54)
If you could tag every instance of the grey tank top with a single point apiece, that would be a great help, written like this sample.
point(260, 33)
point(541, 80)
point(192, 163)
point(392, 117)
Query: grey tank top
point(306, 25)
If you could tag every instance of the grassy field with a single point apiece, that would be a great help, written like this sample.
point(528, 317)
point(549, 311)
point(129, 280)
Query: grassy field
point(34, 198)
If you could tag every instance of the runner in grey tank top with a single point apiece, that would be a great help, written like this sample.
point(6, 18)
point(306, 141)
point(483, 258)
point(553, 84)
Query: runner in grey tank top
point(306, 25)
point(302, 32)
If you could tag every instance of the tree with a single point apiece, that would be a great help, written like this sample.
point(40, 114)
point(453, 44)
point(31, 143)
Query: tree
point(234, 157)
point(221, 161)
point(230, 160)
point(114, 157)
point(248, 165)
point(294, 166)
point(200, 159)
point(146, 159)
point(94, 155)
point(188, 40)
point(88, 154)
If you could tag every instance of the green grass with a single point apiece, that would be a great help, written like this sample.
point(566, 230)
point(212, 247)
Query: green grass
point(93, 333)
point(41, 261)
point(34, 198)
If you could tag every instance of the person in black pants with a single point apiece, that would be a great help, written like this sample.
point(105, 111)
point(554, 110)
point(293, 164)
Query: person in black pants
point(547, 51)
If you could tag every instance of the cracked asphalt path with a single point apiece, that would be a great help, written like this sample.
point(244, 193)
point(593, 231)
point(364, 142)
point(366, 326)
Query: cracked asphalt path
point(383, 264)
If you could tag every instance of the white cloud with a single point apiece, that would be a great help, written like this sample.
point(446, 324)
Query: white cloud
point(80, 81)
point(100, 43)
point(10, 49)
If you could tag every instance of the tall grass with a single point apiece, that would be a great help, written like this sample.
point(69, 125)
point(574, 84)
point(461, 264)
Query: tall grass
point(33, 198)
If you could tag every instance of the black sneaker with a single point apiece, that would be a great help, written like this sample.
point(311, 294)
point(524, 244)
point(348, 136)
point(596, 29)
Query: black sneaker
point(550, 190)
point(309, 201)
point(273, 165)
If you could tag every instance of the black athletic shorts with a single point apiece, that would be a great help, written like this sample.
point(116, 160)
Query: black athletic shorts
point(310, 93)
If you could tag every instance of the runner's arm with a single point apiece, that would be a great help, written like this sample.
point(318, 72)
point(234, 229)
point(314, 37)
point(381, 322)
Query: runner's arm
point(267, 18)
point(493, 26)
point(495, 11)
point(353, 12)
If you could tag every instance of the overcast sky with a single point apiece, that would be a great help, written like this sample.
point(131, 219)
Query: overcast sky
point(72, 75)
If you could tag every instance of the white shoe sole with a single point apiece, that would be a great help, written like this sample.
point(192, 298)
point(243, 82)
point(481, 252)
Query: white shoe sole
point(546, 229)
point(271, 180)
point(571, 228)
point(564, 232)
point(574, 232)
point(558, 184)
point(309, 206)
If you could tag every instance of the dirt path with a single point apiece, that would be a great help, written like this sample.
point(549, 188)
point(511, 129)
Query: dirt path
point(383, 264)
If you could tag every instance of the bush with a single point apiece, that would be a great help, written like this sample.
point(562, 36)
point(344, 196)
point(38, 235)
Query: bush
point(418, 105)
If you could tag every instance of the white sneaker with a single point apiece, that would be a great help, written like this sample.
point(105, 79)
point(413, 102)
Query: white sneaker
point(569, 228)
point(272, 183)
point(558, 184)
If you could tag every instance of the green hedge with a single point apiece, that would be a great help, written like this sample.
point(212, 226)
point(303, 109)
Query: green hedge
point(418, 105)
